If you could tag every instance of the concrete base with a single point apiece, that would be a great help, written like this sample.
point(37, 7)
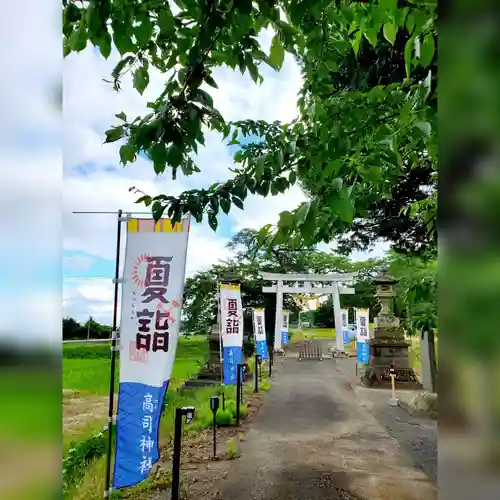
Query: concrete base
point(394, 402)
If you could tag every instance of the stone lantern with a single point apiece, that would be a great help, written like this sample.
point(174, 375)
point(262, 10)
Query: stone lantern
point(388, 348)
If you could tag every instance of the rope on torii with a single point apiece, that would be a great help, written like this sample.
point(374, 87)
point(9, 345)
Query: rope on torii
point(308, 288)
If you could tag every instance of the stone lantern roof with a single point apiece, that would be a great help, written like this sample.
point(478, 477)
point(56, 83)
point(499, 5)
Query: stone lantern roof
point(384, 278)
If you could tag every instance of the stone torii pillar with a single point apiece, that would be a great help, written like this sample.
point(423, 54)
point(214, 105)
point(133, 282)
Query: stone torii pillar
point(278, 321)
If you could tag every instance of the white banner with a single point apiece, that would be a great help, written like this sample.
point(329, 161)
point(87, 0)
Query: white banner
point(345, 318)
point(284, 327)
point(259, 325)
point(259, 328)
point(362, 325)
point(153, 284)
point(232, 330)
point(231, 315)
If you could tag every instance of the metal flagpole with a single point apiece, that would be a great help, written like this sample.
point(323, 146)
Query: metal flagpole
point(114, 348)
point(219, 327)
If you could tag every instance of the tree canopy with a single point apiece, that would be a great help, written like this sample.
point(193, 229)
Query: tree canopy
point(363, 145)
point(247, 264)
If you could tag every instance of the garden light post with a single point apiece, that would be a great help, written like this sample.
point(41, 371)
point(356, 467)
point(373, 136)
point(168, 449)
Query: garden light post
point(214, 406)
point(258, 357)
point(180, 413)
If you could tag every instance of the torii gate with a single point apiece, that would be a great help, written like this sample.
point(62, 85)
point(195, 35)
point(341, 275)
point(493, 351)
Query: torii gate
point(335, 289)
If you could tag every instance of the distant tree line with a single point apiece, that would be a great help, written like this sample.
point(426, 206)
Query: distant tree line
point(73, 330)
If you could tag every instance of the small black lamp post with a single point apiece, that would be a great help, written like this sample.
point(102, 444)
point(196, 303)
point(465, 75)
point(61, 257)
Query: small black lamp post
point(258, 358)
point(214, 406)
point(188, 412)
point(239, 385)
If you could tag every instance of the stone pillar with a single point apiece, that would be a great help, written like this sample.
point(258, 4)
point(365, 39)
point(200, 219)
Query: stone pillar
point(338, 318)
point(425, 360)
point(279, 316)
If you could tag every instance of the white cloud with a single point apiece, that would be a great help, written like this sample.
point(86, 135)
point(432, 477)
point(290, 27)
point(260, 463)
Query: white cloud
point(89, 108)
point(261, 211)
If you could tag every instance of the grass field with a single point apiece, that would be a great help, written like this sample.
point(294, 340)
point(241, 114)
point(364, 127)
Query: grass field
point(86, 368)
point(86, 383)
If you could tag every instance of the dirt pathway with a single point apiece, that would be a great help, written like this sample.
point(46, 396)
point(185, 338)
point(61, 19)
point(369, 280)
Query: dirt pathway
point(313, 440)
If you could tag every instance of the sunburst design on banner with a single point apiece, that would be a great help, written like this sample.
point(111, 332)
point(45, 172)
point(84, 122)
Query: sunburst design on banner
point(139, 270)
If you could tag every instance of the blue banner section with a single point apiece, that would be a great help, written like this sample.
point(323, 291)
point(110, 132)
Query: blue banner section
point(137, 425)
point(233, 356)
point(363, 352)
point(261, 348)
point(284, 338)
point(346, 336)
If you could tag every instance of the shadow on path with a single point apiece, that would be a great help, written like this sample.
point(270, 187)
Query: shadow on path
point(313, 440)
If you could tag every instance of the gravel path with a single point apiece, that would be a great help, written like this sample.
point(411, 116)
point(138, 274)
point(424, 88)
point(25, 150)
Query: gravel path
point(312, 440)
point(417, 436)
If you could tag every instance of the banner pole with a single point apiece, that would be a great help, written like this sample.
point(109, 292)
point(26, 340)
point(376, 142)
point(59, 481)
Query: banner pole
point(219, 326)
point(116, 281)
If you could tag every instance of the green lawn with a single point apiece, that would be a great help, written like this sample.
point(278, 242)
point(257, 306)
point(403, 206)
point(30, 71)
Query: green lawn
point(86, 368)
point(86, 371)
point(309, 333)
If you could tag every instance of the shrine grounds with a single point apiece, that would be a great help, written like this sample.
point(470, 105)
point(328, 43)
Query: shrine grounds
point(85, 407)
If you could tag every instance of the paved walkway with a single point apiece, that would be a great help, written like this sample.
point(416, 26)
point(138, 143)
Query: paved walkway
point(313, 440)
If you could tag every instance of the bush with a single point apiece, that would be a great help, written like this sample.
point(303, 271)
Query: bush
point(79, 457)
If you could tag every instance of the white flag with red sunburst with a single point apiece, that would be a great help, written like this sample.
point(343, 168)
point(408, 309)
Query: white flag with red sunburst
point(153, 285)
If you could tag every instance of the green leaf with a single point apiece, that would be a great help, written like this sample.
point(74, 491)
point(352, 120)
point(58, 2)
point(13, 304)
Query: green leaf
point(291, 147)
point(301, 213)
point(127, 154)
point(157, 210)
point(121, 116)
point(211, 82)
point(238, 203)
point(174, 156)
point(144, 31)
point(425, 127)
point(277, 53)
point(105, 45)
point(204, 98)
point(260, 166)
point(240, 190)
point(357, 41)
point(166, 21)
point(114, 134)
point(342, 206)
point(286, 219)
point(409, 47)
point(214, 203)
point(390, 31)
point(212, 220)
point(121, 37)
point(292, 179)
point(78, 39)
point(427, 50)
point(390, 5)
point(337, 183)
point(371, 35)
point(410, 23)
point(278, 159)
point(145, 199)
point(141, 79)
point(225, 205)
point(159, 157)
